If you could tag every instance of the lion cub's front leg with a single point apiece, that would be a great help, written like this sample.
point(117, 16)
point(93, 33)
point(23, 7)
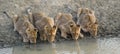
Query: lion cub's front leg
point(43, 36)
point(63, 32)
point(24, 36)
point(81, 35)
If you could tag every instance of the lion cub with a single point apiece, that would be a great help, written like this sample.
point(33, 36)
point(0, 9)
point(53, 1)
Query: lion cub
point(45, 26)
point(25, 28)
point(87, 20)
point(66, 25)
point(93, 29)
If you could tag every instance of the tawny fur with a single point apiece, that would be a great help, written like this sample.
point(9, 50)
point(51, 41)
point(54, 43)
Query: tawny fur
point(86, 18)
point(93, 29)
point(67, 26)
point(82, 11)
point(45, 25)
point(25, 28)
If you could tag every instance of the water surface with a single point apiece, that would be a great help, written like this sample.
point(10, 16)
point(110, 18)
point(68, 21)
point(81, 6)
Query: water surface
point(84, 46)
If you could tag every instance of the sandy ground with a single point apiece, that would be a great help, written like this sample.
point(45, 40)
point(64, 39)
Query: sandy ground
point(106, 11)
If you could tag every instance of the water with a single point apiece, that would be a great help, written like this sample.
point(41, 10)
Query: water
point(84, 46)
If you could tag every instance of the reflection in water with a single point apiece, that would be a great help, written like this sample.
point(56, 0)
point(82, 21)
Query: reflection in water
point(68, 47)
point(89, 46)
point(77, 48)
point(84, 46)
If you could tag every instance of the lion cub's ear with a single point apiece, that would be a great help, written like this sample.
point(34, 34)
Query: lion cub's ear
point(28, 30)
point(35, 29)
point(46, 27)
point(91, 11)
point(54, 27)
point(71, 25)
point(96, 22)
point(78, 25)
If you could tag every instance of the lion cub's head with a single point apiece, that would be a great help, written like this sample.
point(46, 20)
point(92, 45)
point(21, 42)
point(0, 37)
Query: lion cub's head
point(31, 32)
point(84, 11)
point(75, 31)
point(50, 33)
point(93, 29)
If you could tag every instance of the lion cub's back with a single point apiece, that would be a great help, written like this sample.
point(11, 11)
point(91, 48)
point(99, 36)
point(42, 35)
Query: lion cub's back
point(20, 24)
point(49, 21)
point(38, 16)
point(44, 21)
point(63, 18)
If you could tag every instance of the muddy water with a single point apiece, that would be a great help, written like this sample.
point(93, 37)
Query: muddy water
point(84, 46)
